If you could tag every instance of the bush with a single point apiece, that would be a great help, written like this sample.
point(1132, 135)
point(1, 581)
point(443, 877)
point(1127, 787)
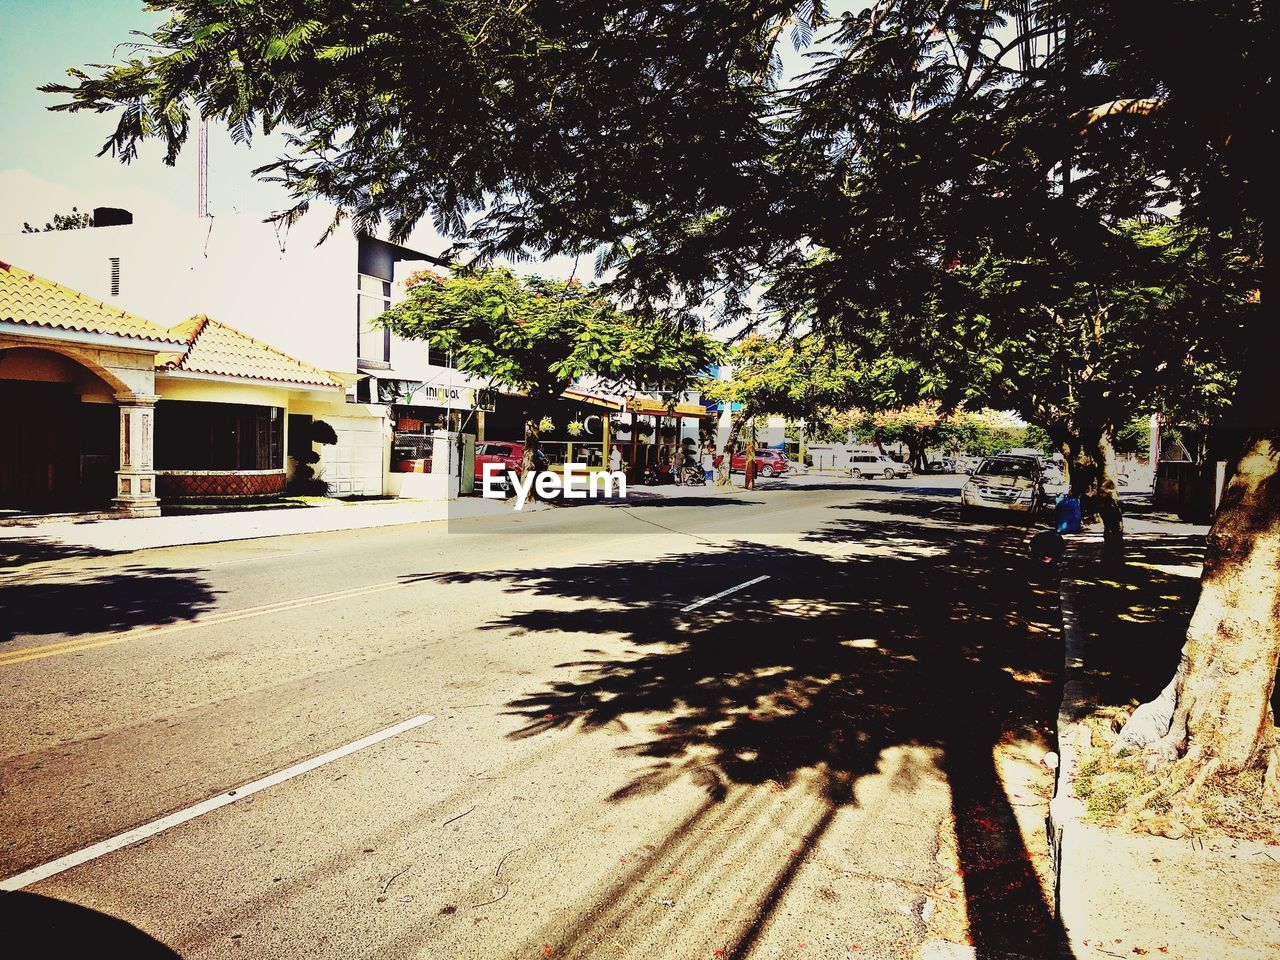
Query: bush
point(304, 480)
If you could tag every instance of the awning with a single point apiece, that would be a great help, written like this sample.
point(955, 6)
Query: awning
point(595, 399)
point(657, 408)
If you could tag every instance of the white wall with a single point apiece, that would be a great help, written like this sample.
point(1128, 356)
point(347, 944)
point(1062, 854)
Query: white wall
point(277, 286)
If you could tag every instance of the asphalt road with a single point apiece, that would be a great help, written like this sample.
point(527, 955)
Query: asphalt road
point(748, 725)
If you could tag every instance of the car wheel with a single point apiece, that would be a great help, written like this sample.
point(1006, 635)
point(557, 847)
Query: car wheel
point(855, 474)
point(888, 473)
point(766, 471)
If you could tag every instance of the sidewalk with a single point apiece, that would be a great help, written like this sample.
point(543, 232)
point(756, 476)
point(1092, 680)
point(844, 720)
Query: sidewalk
point(1125, 894)
point(121, 535)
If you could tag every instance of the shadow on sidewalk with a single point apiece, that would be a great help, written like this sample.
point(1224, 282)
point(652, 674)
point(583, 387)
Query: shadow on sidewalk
point(889, 634)
point(18, 551)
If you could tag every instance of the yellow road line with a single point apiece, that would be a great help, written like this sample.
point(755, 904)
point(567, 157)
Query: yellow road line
point(76, 645)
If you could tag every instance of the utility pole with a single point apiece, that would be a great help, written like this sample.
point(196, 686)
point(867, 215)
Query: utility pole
point(202, 168)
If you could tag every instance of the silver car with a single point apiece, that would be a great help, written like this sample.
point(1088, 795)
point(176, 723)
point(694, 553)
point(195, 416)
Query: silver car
point(876, 465)
point(1003, 483)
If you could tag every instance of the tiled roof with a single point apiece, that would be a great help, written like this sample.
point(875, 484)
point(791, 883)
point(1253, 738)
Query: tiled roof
point(223, 351)
point(34, 301)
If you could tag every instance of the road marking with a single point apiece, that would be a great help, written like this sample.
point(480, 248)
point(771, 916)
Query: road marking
point(75, 645)
point(148, 830)
point(94, 641)
point(723, 593)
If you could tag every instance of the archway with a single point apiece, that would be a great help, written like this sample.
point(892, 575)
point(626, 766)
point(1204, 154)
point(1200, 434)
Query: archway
point(59, 435)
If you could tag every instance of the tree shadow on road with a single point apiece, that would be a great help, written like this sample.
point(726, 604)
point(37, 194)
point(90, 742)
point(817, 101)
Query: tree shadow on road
point(883, 634)
point(74, 602)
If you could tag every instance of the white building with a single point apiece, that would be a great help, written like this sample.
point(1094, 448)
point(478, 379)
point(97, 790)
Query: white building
point(311, 300)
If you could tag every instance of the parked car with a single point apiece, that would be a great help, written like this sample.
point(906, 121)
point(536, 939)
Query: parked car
point(1004, 483)
point(876, 465)
point(1055, 480)
point(769, 463)
point(509, 455)
point(945, 465)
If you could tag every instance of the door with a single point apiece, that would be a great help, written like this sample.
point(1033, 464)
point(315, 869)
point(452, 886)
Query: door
point(39, 466)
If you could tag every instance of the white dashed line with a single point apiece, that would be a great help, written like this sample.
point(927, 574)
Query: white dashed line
point(148, 830)
point(723, 593)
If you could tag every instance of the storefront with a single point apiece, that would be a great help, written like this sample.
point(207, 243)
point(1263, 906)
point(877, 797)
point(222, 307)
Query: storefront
point(575, 429)
point(427, 408)
point(650, 430)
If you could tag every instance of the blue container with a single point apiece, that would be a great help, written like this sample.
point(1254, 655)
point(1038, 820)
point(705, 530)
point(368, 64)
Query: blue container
point(1066, 515)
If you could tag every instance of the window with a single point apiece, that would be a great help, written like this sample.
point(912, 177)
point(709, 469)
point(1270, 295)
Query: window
point(1005, 468)
point(373, 297)
point(218, 436)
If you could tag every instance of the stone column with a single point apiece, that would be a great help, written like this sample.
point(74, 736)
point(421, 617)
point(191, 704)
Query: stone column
point(136, 478)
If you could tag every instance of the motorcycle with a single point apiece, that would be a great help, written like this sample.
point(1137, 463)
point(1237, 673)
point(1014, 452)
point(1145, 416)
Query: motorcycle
point(655, 474)
point(692, 475)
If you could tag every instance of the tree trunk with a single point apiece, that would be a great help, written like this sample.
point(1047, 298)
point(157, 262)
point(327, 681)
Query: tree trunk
point(724, 475)
point(1091, 473)
point(531, 443)
point(917, 454)
point(749, 461)
point(1218, 707)
point(535, 410)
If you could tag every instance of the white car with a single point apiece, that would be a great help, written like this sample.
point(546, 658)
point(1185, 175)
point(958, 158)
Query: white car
point(876, 465)
point(1003, 483)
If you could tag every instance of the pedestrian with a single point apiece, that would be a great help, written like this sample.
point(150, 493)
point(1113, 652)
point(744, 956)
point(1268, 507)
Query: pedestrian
point(708, 461)
point(615, 459)
point(540, 465)
point(677, 463)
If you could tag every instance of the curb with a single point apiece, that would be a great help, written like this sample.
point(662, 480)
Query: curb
point(1066, 816)
point(1065, 808)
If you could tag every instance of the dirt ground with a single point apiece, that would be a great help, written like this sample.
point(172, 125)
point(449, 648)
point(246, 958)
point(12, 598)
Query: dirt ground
point(1135, 617)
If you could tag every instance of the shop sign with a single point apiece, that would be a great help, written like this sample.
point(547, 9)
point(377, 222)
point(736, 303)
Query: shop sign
point(450, 397)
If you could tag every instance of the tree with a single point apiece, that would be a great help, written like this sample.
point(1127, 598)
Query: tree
point(1155, 330)
point(926, 137)
point(796, 377)
point(75, 220)
point(538, 336)
point(928, 425)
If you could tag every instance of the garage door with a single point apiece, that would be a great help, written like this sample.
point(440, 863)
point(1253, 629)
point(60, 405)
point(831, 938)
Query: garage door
point(353, 466)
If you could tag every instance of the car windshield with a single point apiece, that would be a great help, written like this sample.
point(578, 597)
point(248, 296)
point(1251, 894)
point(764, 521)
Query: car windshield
point(1005, 468)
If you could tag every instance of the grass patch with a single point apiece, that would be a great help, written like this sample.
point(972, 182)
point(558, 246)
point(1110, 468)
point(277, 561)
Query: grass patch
point(1106, 782)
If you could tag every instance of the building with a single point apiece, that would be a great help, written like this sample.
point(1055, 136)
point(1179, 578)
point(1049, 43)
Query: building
point(106, 409)
point(314, 303)
point(311, 300)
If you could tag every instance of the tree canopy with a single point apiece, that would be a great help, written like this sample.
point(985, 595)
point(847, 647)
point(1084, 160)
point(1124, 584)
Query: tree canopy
point(539, 336)
point(927, 425)
point(75, 220)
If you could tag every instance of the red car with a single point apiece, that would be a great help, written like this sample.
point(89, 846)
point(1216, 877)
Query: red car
point(769, 463)
point(509, 455)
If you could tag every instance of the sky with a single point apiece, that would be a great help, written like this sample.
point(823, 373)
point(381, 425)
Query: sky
point(48, 160)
